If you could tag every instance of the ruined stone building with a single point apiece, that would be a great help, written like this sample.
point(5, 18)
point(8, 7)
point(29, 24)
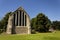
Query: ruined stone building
point(19, 22)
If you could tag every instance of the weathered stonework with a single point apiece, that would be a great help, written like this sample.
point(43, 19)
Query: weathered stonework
point(19, 22)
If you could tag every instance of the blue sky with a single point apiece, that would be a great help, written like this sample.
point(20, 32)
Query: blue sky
point(50, 8)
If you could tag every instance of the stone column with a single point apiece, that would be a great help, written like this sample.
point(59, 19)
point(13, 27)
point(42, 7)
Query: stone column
point(21, 18)
point(24, 18)
point(9, 26)
point(18, 18)
point(28, 25)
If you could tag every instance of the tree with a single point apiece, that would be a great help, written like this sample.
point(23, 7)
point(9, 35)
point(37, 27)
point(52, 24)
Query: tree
point(33, 23)
point(4, 21)
point(56, 25)
point(40, 23)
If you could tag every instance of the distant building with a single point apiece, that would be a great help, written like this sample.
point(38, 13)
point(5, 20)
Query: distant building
point(19, 22)
point(51, 30)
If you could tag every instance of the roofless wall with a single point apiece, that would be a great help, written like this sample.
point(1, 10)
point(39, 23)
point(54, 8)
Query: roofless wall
point(19, 22)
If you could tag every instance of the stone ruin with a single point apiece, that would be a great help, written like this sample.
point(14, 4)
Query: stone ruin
point(19, 22)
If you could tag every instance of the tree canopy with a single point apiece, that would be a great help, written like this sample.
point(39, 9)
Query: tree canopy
point(40, 23)
point(56, 25)
point(4, 21)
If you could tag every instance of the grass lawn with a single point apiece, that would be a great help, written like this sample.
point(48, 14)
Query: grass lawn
point(39, 36)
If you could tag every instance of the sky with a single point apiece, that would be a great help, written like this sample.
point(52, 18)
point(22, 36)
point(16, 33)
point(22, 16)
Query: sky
point(51, 8)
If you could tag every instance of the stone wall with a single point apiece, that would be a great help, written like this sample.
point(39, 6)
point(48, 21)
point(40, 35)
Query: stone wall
point(21, 30)
point(19, 22)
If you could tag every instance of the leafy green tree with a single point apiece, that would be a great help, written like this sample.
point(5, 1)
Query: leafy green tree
point(4, 21)
point(56, 25)
point(33, 23)
point(40, 23)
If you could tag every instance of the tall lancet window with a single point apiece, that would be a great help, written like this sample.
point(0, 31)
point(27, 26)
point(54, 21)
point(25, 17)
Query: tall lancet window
point(23, 18)
point(14, 19)
point(20, 18)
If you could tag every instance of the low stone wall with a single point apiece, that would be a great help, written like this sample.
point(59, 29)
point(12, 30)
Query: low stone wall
point(21, 30)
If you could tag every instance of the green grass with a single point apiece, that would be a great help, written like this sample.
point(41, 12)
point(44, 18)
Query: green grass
point(39, 36)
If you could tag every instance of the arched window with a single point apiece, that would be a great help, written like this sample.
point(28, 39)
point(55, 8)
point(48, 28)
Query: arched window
point(20, 18)
point(23, 18)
